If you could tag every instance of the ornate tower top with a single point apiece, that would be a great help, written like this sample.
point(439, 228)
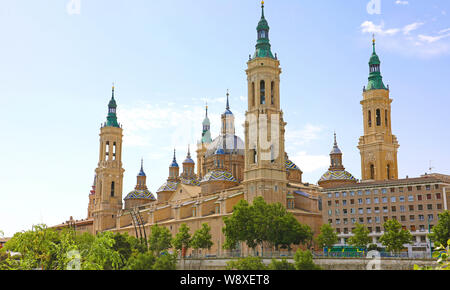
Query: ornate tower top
point(174, 161)
point(206, 133)
point(111, 119)
point(375, 78)
point(263, 43)
point(142, 173)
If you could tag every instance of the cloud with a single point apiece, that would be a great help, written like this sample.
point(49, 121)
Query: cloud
point(431, 39)
point(411, 27)
point(310, 163)
point(422, 45)
point(303, 136)
point(399, 2)
point(370, 27)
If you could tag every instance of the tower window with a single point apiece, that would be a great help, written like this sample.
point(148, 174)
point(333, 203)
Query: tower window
point(378, 117)
point(262, 88)
point(370, 119)
point(372, 171)
point(272, 87)
point(112, 189)
point(386, 118)
point(253, 94)
point(388, 173)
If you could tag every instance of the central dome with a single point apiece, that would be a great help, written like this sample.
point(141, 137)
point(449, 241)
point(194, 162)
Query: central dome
point(228, 143)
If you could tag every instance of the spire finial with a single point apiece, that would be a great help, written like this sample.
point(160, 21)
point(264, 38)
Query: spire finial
point(189, 151)
point(373, 42)
point(113, 90)
point(174, 153)
point(206, 109)
point(142, 164)
point(335, 142)
point(262, 7)
point(228, 102)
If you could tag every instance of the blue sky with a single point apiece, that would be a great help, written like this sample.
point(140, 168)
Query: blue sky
point(57, 64)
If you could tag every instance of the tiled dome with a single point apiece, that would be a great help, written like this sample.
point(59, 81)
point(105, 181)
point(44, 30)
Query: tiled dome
point(228, 143)
point(190, 181)
point(168, 186)
point(337, 175)
point(291, 165)
point(218, 175)
point(140, 194)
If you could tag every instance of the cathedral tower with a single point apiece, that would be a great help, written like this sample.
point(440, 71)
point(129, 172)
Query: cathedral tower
point(202, 146)
point(378, 147)
point(265, 170)
point(109, 180)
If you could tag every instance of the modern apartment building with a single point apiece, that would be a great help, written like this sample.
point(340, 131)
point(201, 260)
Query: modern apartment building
point(414, 202)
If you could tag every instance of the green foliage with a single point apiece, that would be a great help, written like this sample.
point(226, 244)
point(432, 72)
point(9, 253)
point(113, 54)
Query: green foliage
point(373, 247)
point(442, 254)
point(248, 263)
point(41, 248)
point(327, 237)
point(360, 236)
point(182, 238)
point(264, 223)
point(282, 264)
point(202, 238)
point(101, 254)
point(160, 239)
point(441, 231)
point(303, 260)
point(166, 262)
point(142, 261)
point(394, 236)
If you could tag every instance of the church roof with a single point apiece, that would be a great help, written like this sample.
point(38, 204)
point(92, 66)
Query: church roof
point(190, 181)
point(291, 165)
point(337, 175)
point(140, 194)
point(218, 175)
point(168, 186)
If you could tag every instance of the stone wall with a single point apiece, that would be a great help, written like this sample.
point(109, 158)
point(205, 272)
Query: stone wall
point(325, 263)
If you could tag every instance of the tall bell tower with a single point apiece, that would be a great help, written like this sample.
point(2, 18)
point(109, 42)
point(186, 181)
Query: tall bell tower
point(265, 172)
point(378, 146)
point(109, 172)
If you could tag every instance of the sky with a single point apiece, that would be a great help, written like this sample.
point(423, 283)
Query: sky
point(59, 58)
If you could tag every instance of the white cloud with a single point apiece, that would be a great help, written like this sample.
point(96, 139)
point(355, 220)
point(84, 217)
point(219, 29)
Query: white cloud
point(370, 27)
point(444, 31)
point(431, 39)
point(399, 2)
point(310, 163)
point(300, 137)
point(411, 27)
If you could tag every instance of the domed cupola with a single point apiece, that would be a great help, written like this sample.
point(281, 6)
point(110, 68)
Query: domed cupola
point(336, 174)
point(188, 176)
point(206, 133)
point(140, 195)
point(174, 169)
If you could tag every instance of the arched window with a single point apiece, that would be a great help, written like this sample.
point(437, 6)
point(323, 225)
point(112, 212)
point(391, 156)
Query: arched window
point(272, 88)
point(112, 188)
point(262, 89)
point(370, 119)
point(372, 171)
point(253, 93)
point(386, 118)
point(378, 117)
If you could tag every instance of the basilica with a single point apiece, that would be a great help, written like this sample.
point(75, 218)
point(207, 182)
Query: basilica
point(228, 169)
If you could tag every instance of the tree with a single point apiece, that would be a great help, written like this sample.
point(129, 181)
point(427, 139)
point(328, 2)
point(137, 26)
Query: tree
point(182, 240)
point(262, 223)
point(160, 239)
point(443, 255)
point(202, 238)
point(166, 262)
point(304, 261)
point(360, 236)
point(394, 236)
point(441, 231)
point(282, 264)
point(327, 237)
point(101, 255)
point(142, 261)
point(248, 263)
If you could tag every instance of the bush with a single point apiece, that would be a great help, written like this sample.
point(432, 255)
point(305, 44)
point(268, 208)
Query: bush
point(248, 263)
point(143, 261)
point(304, 261)
point(166, 262)
point(282, 264)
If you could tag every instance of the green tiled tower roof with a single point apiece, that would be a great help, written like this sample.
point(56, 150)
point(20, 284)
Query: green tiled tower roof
point(263, 43)
point(375, 78)
point(111, 120)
